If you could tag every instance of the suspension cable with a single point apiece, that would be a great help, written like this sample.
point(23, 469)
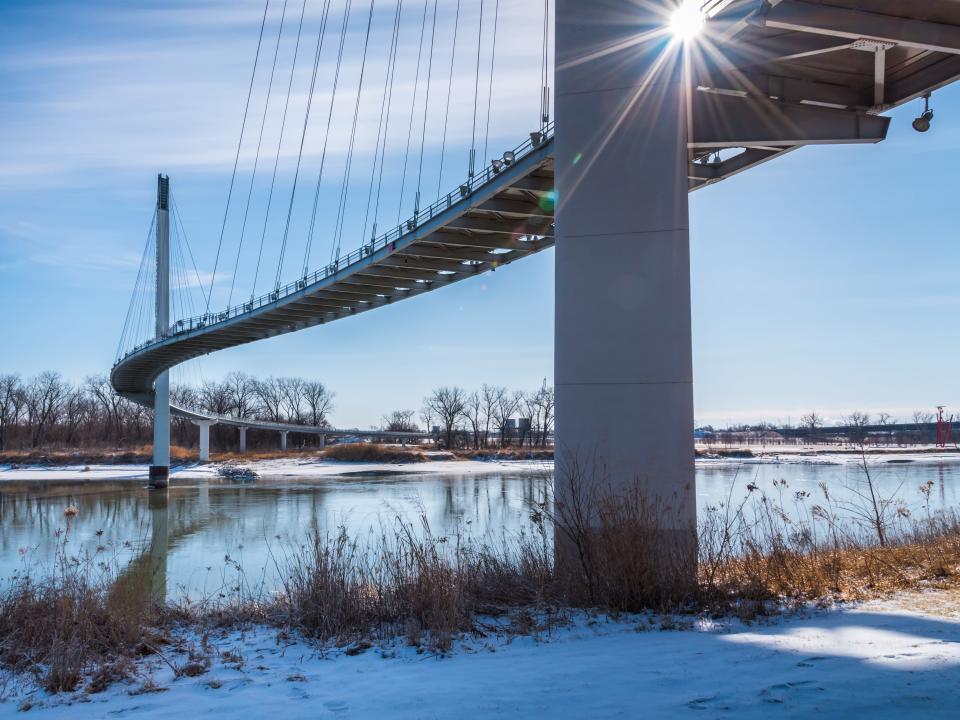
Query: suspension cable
point(476, 95)
point(493, 56)
point(136, 284)
point(179, 218)
point(303, 135)
point(413, 109)
point(326, 138)
point(446, 115)
point(256, 160)
point(236, 160)
point(426, 107)
point(545, 69)
point(263, 234)
point(344, 189)
point(383, 128)
point(276, 160)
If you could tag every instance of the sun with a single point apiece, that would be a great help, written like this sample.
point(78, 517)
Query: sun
point(687, 20)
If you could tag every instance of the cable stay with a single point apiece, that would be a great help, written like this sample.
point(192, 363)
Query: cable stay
point(303, 135)
point(493, 57)
point(476, 93)
point(283, 127)
point(341, 212)
point(383, 128)
point(413, 109)
point(326, 138)
point(426, 108)
point(236, 160)
point(545, 69)
point(446, 114)
point(137, 286)
point(256, 160)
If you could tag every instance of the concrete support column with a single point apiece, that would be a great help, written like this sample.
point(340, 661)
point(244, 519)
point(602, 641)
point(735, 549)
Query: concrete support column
point(283, 439)
point(160, 470)
point(243, 439)
point(323, 441)
point(623, 358)
point(205, 439)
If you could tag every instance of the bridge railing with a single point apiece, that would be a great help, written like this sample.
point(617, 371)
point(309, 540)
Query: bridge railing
point(461, 192)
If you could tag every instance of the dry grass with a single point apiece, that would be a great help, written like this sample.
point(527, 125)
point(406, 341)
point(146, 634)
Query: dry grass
point(408, 582)
point(82, 624)
point(74, 624)
point(137, 455)
point(373, 452)
point(250, 455)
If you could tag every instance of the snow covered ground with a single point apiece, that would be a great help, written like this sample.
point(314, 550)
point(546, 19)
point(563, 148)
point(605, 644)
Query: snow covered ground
point(311, 468)
point(898, 658)
point(301, 468)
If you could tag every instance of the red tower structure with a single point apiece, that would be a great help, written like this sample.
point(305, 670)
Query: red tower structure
point(944, 427)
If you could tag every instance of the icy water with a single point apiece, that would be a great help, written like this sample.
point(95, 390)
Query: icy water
point(198, 533)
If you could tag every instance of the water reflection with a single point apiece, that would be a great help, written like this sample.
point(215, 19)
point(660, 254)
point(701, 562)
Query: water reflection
point(191, 539)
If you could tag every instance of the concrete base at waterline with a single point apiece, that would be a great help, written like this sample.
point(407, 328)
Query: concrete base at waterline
point(159, 476)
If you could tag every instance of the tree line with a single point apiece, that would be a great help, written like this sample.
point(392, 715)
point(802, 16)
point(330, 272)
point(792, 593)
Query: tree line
point(856, 427)
point(493, 414)
point(48, 410)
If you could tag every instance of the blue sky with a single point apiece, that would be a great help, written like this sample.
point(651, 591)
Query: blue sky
point(826, 280)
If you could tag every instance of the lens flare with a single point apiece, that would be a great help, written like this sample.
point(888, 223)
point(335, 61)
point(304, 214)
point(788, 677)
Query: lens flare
point(687, 20)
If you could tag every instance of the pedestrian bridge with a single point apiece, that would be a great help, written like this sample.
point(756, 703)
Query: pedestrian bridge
point(762, 78)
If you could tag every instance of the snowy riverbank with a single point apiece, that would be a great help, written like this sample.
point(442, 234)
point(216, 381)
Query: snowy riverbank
point(883, 659)
point(294, 467)
point(311, 468)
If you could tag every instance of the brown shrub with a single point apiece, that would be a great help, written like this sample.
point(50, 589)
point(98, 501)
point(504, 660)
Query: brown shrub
point(372, 452)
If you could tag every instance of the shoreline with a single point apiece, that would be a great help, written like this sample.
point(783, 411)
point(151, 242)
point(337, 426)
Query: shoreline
point(313, 468)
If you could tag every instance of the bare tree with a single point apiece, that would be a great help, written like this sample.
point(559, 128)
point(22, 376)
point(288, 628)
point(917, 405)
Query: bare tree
point(45, 396)
point(491, 400)
point(269, 394)
point(507, 405)
point(812, 421)
point(540, 405)
point(12, 398)
point(215, 397)
point(399, 421)
point(922, 417)
point(427, 417)
point(473, 412)
point(110, 404)
point(858, 422)
point(319, 402)
point(293, 392)
point(448, 403)
point(77, 409)
point(242, 394)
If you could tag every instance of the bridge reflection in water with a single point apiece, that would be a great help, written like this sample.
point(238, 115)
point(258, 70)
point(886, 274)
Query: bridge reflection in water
point(191, 539)
point(175, 543)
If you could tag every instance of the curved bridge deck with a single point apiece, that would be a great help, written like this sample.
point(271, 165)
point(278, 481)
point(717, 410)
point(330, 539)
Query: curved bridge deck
point(493, 220)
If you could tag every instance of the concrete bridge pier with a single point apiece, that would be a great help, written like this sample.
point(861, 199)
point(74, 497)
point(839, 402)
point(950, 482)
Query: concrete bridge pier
point(243, 439)
point(204, 426)
point(623, 361)
point(323, 441)
point(283, 439)
point(160, 469)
